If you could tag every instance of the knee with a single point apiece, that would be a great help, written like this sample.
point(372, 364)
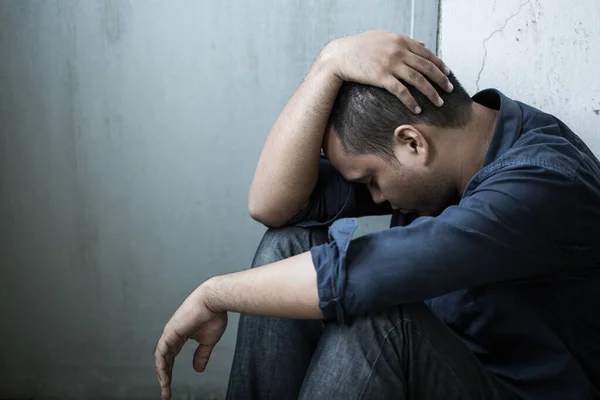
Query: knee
point(382, 325)
point(280, 243)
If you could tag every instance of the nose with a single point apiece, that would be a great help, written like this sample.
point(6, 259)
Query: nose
point(376, 196)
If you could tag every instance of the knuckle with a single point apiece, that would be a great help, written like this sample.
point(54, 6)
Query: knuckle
point(385, 64)
point(428, 66)
point(414, 76)
point(400, 38)
point(401, 90)
point(397, 45)
point(399, 52)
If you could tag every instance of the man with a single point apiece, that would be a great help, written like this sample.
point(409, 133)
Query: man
point(487, 286)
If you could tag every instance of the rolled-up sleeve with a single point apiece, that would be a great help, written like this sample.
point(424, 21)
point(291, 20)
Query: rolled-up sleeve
point(500, 232)
point(330, 260)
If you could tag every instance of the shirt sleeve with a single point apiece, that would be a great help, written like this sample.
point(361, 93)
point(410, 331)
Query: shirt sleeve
point(334, 198)
point(506, 229)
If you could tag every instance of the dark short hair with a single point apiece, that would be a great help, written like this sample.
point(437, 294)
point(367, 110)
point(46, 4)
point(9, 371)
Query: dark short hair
point(364, 117)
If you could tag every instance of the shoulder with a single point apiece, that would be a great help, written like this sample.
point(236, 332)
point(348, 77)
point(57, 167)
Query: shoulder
point(538, 153)
point(539, 173)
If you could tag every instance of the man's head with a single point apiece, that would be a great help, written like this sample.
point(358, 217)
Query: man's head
point(374, 139)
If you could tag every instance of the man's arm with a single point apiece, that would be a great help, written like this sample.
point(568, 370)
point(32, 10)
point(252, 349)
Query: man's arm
point(288, 167)
point(507, 229)
point(266, 290)
point(497, 234)
point(287, 288)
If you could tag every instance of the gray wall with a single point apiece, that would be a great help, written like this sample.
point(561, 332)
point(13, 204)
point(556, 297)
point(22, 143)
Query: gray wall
point(129, 132)
point(545, 53)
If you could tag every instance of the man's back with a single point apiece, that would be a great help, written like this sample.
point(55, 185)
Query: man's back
point(541, 336)
point(538, 331)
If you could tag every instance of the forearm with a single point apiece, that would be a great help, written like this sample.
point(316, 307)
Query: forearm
point(288, 167)
point(286, 288)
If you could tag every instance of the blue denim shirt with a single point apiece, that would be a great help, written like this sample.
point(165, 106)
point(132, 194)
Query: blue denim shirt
point(513, 268)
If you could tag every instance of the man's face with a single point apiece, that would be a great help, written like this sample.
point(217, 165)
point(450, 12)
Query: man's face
point(408, 184)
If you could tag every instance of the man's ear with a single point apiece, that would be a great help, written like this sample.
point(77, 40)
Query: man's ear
point(413, 142)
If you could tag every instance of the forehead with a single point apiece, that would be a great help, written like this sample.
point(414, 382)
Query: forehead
point(351, 167)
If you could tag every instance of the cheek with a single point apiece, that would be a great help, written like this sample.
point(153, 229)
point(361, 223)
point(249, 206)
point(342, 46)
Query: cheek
point(396, 190)
point(413, 192)
point(433, 193)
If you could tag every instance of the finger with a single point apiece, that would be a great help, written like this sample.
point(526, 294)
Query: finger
point(163, 373)
point(167, 348)
point(201, 356)
point(422, 43)
point(165, 393)
point(430, 70)
point(428, 54)
point(414, 78)
point(396, 88)
point(162, 364)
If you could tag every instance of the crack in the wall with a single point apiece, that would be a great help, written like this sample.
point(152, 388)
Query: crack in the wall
point(492, 35)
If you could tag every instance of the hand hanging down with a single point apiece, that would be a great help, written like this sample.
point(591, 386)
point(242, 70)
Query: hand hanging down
point(193, 320)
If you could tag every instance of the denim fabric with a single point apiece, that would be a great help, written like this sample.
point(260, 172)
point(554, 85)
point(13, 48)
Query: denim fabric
point(273, 354)
point(404, 352)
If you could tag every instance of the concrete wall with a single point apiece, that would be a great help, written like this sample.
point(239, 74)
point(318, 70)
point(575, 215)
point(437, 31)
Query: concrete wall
point(129, 131)
point(543, 52)
point(119, 119)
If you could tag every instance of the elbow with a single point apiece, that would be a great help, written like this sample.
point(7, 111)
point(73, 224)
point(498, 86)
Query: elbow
point(255, 207)
point(264, 215)
point(257, 213)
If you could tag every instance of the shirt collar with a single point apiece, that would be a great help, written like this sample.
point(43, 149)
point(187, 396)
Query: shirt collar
point(508, 123)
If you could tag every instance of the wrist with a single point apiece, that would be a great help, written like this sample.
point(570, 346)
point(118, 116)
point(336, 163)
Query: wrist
point(209, 294)
point(327, 61)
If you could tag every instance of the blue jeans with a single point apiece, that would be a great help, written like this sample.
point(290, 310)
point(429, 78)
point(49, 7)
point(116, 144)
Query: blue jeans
point(401, 353)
